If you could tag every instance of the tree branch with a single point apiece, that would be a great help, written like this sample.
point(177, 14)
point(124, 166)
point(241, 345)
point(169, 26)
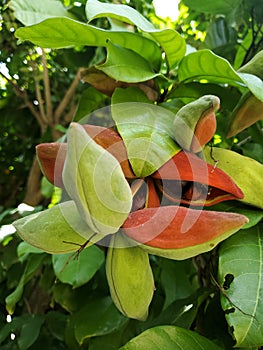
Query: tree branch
point(67, 97)
point(49, 107)
point(23, 94)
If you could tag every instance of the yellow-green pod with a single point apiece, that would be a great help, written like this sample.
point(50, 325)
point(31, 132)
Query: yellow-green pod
point(130, 278)
point(246, 172)
point(59, 229)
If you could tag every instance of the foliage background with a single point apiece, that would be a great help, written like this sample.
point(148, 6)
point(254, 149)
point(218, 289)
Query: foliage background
point(39, 96)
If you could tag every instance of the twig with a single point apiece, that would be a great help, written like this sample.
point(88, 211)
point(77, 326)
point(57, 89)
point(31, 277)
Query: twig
point(67, 97)
point(49, 108)
point(23, 94)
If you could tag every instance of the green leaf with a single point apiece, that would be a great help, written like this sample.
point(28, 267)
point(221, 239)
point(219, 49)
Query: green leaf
point(130, 94)
point(171, 41)
point(24, 249)
point(56, 322)
point(126, 65)
point(31, 12)
point(32, 266)
point(240, 272)
point(26, 327)
point(204, 64)
point(94, 179)
point(59, 229)
point(123, 13)
point(77, 271)
point(30, 331)
point(169, 338)
point(62, 32)
point(147, 131)
point(89, 101)
point(213, 7)
point(97, 317)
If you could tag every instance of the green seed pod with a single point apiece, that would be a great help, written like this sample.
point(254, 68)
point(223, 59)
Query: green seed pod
point(130, 278)
point(254, 66)
point(195, 123)
point(94, 179)
point(246, 172)
point(247, 112)
point(59, 229)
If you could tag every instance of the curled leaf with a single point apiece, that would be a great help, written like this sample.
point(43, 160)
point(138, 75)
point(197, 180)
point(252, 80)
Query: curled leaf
point(130, 278)
point(195, 123)
point(107, 85)
point(186, 179)
point(59, 229)
point(94, 180)
point(181, 232)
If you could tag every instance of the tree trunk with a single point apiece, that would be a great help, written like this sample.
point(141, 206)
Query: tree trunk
point(33, 194)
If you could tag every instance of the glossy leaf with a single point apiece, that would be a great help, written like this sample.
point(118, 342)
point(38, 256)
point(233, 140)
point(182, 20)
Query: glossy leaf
point(130, 278)
point(32, 12)
point(94, 180)
point(174, 53)
point(169, 338)
point(130, 94)
point(97, 317)
point(124, 13)
point(240, 274)
point(62, 32)
point(90, 100)
point(179, 232)
point(59, 229)
point(126, 65)
point(147, 133)
point(204, 64)
point(78, 270)
point(247, 173)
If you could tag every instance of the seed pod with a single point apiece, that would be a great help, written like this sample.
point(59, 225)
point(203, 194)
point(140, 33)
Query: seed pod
point(254, 66)
point(59, 229)
point(246, 172)
point(195, 123)
point(213, 184)
point(129, 277)
point(247, 112)
point(104, 202)
point(51, 156)
point(179, 232)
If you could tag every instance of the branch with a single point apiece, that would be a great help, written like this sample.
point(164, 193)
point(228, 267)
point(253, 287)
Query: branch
point(47, 87)
point(40, 100)
point(23, 94)
point(67, 97)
